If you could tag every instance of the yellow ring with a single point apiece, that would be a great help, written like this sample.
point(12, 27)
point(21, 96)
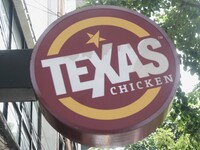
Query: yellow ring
point(101, 114)
point(96, 21)
point(111, 114)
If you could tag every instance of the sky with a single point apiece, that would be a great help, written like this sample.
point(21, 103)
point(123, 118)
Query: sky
point(188, 81)
point(38, 9)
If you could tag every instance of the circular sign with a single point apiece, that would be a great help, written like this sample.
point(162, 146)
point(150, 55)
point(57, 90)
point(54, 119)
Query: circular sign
point(104, 76)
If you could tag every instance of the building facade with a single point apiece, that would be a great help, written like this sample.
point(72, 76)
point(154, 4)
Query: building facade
point(22, 125)
point(20, 121)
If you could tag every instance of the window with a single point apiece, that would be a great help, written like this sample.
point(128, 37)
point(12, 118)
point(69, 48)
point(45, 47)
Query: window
point(35, 123)
point(26, 120)
point(17, 37)
point(25, 142)
point(13, 121)
point(4, 26)
point(1, 107)
point(35, 117)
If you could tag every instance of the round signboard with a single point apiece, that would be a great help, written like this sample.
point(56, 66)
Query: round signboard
point(104, 76)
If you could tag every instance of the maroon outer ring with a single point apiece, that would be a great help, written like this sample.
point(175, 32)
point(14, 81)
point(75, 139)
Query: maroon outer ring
point(112, 138)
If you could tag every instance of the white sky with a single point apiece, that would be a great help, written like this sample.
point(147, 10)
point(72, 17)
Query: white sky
point(188, 81)
point(70, 5)
point(40, 14)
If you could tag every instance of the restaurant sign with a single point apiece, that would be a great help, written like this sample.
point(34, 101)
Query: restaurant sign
point(104, 76)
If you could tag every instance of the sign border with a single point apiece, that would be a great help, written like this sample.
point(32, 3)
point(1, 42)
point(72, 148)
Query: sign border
point(112, 138)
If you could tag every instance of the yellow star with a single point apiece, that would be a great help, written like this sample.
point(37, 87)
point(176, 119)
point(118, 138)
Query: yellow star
point(95, 39)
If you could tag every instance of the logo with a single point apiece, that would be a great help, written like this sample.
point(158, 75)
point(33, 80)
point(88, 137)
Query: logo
point(104, 76)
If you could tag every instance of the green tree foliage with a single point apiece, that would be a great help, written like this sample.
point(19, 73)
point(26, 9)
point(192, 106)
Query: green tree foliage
point(181, 21)
point(181, 129)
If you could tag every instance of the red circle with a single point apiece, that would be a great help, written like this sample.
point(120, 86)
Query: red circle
point(92, 131)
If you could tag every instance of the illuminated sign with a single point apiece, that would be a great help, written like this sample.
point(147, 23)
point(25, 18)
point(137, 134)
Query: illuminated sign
point(104, 76)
